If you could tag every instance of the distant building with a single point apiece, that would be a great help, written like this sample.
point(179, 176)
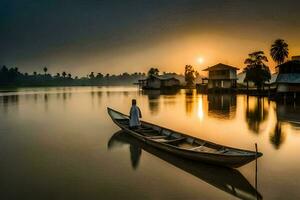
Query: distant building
point(288, 79)
point(296, 58)
point(159, 82)
point(221, 76)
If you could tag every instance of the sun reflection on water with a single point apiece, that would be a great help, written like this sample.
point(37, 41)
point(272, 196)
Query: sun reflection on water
point(200, 109)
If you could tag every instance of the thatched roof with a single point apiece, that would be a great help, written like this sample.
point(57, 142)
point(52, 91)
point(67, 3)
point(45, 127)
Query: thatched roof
point(220, 66)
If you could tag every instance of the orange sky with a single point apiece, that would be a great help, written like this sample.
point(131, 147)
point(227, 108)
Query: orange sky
point(174, 54)
point(118, 36)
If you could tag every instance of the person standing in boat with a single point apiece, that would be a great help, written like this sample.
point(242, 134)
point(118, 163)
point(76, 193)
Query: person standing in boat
point(134, 115)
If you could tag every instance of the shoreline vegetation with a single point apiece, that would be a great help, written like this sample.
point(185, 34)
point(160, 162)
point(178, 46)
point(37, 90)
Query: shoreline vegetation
point(256, 72)
point(12, 78)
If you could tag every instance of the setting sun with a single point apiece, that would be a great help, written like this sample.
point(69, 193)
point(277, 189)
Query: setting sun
point(200, 60)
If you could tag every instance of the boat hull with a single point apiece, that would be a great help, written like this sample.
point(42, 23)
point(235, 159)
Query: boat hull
point(210, 158)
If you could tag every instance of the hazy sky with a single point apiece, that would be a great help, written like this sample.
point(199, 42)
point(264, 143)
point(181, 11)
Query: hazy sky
point(116, 36)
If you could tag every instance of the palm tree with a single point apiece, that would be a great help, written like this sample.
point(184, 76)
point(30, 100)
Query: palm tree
point(69, 76)
point(279, 51)
point(45, 70)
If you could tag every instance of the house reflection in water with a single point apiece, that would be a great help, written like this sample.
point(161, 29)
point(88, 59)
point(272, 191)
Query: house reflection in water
point(222, 105)
point(287, 115)
point(154, 98)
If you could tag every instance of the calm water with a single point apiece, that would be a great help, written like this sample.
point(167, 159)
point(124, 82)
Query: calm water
point(59, 143)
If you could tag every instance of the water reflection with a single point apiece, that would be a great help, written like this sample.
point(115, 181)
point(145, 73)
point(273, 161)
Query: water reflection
point(29, 135)
point(154, 98)
point(289, 113)
point(222, 105)
point(200, 112)
point(285, 114)
point(256, 113)
point(278, 137)
point(225, 179)
point(190, 100)
point(46, 101)
point(6, 101)
point(66, 96)
point(11, 99)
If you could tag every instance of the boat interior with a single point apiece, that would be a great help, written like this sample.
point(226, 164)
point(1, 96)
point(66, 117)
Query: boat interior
point(161, 135)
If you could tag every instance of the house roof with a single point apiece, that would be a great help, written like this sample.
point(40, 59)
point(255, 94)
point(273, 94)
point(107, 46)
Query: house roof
point(293, 63)
point(295, 57)
point(288, 78)
point(220, 66)
point(163, 78)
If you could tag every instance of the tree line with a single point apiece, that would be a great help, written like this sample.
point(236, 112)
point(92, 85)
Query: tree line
point(13, 77)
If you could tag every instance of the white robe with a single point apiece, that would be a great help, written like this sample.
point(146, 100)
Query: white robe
point(135, 115)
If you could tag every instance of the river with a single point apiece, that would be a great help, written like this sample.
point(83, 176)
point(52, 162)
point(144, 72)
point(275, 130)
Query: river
point(59, 143)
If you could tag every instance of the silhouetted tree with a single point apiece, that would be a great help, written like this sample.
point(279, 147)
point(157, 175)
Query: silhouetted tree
point(189, 74)
point(256, 70)
point(64, 74)
point(4, 75)
point(69, 76)
point(4, 69)
point(279, 51)
point(45, 70)
point(153, 71)
point(92, 76)
point(126, 75)
point(99, 76)
point(34, 73)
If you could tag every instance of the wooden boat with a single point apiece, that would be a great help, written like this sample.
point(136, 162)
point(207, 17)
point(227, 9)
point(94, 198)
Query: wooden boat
point(184, 145)
point(226, 179)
